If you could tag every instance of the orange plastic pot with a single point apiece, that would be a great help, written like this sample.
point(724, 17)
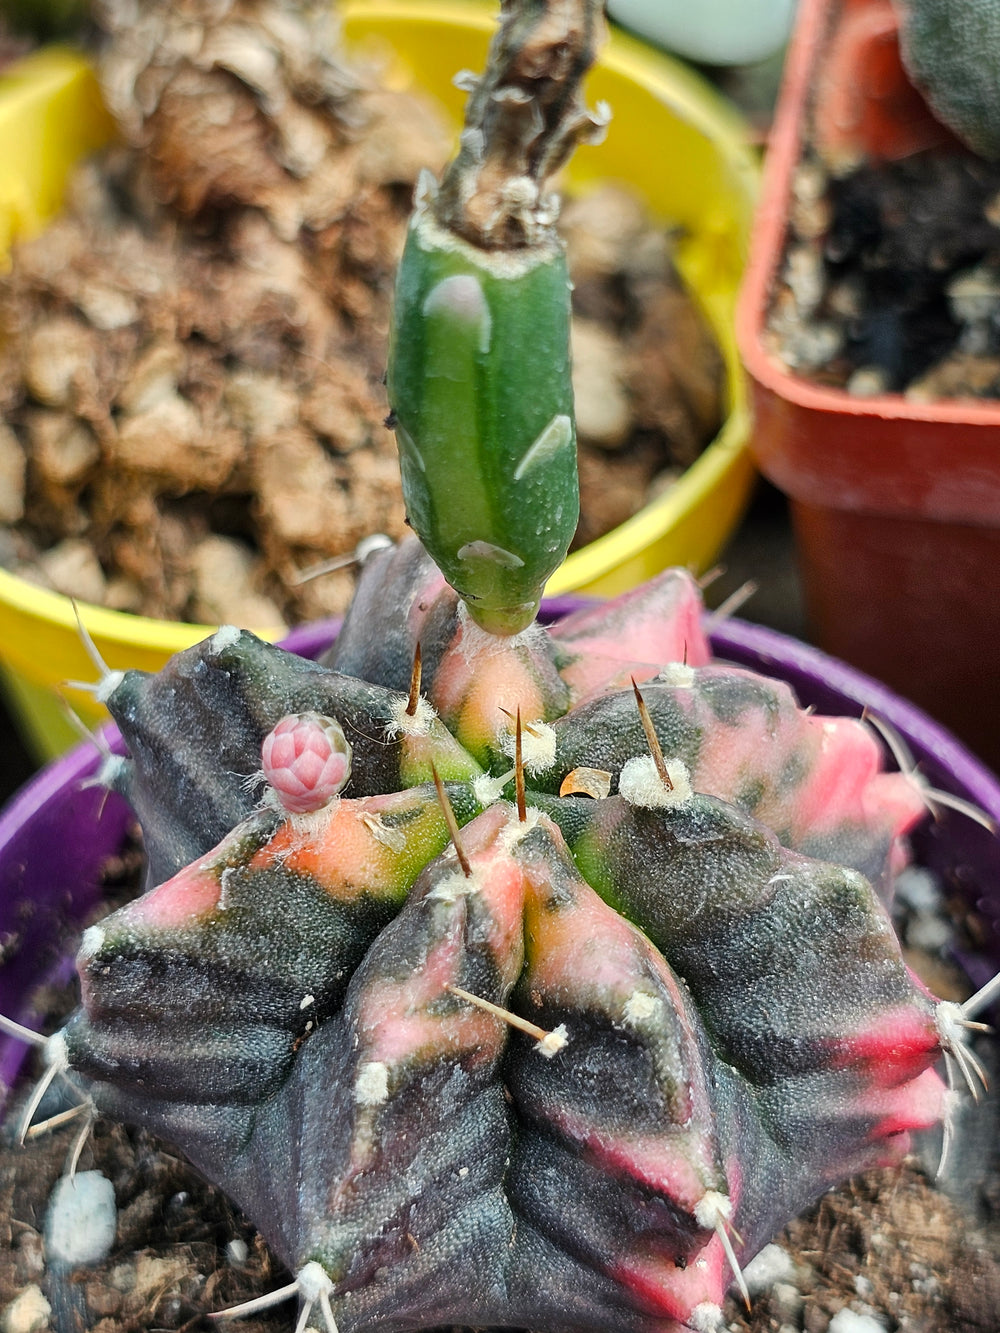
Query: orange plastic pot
point(895, 505)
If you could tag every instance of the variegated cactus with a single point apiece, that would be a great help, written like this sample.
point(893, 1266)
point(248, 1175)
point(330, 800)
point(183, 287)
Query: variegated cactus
point(492, 969)
point(494, 994)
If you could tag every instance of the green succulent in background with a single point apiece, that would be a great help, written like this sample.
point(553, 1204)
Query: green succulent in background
point(44, 19)
point(951, 49)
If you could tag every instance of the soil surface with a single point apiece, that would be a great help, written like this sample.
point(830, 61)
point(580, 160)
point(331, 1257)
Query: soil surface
point(888, 1252)
point(891, 277)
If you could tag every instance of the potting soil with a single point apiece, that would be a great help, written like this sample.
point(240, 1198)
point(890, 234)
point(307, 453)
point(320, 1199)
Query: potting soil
point(193, 410)
point(891, 278)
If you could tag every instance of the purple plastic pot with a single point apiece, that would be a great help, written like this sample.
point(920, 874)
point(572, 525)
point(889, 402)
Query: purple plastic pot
point(57, 833)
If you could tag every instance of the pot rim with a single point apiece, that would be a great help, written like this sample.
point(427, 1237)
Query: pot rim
point(767, 246)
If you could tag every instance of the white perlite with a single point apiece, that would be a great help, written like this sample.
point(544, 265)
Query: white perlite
point(80, 1220)
point(237, 1251)
point(847, 1321)
point(772, 1265)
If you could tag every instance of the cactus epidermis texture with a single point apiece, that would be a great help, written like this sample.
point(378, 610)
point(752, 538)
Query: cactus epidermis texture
point(951, 49)
point(482, 401)
point(698, 1027)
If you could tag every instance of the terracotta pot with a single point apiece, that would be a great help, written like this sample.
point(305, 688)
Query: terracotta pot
point(895, 504)
point(57, 833)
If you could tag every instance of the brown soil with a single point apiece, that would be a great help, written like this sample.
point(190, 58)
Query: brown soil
point(888, 1245)
point(194, 406)
point(891, 277)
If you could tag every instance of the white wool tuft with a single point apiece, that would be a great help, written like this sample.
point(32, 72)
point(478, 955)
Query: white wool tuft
point(678, 674)
point(403, 724)
point(226, 636)
point(538, 745)
point(371, 1087)
point(640, 784)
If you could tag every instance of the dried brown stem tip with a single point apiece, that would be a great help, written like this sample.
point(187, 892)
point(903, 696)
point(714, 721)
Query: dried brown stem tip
point(524, 117)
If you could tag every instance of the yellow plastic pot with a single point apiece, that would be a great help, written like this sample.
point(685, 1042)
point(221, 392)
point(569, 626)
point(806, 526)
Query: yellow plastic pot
point(671, 137)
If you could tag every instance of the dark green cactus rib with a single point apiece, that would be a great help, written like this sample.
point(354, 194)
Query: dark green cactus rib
point(480, 389)
point(221, 697)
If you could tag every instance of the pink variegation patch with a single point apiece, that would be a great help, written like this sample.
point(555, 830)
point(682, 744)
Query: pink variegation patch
point(181, 901)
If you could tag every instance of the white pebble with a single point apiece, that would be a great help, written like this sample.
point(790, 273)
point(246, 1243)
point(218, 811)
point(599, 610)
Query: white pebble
point(974, 294)
point(931, 933)
point(237, 1251)
point(786, 1302)
point(772, 1265)
point(919, 889)
point(81, 1219)
point(868, 382)
point(27, 1313)
point(846, 1321)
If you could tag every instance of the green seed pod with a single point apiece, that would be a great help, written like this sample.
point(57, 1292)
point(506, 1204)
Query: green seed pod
point(480, 390)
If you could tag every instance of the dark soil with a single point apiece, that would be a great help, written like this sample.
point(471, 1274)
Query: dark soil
point(891, 281)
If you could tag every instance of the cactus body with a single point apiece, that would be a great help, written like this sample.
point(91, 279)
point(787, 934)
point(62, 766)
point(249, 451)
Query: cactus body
point(951, 49)
point(705, 1027)
point(481, 396)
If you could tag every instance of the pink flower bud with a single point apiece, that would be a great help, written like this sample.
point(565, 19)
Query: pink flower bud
point(307, 761)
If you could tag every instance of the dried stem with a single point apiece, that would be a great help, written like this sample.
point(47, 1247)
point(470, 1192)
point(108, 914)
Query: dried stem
point(524, 117)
